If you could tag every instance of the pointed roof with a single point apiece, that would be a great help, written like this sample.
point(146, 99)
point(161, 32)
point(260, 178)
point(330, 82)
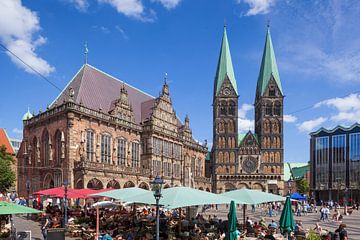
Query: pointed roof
point(242, 136)
point(4, 140)
point(224, 67)
point(268, 67)
point(27, 115)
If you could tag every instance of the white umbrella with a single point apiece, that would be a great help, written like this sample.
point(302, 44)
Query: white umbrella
point(103, 204)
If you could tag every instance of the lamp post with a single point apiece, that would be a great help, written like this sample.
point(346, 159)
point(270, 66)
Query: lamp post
point(289, 187)
point(156, 188)
point(65, 202)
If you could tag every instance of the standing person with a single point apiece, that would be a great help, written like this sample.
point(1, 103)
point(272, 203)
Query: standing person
point(47, 224)
point(270, 210)
point(322, 213)
point(253, 208)
point(327, 213)
point(341, 231)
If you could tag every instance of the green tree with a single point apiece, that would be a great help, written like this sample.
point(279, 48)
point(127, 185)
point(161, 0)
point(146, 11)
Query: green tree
point(7, 176)
point(303, 186)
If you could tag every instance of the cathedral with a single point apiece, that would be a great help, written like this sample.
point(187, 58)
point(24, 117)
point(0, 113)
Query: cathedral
point(255, 159)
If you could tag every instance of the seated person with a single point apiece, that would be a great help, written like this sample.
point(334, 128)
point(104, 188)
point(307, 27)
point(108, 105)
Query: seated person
point(317, 228)
point(270, 235)
point(299, 229)
point(262, 223)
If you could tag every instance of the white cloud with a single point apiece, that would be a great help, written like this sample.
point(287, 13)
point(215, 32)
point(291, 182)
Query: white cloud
point(326, 46)
point(19, 28)
point(310, 125)
point(348, 108)
point(288, 118)
point(101, 29)
point(168, 4)
point(244, 109)
point(17, 131)
point(258, 6)
point(81, 5)
point(131, 8)
point(121, 30)
point(245, 124)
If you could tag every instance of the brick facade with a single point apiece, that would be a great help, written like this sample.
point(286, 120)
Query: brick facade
point(94, 148)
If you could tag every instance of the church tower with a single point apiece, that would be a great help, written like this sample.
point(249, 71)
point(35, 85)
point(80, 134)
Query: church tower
point(225, 114)
point(269, 117)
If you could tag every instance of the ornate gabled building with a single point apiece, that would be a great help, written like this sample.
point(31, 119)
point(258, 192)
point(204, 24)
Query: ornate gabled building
point(251, 160)
point(101, 132)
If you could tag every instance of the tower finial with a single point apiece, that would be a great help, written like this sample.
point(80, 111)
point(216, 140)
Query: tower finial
point(165, 77)
point(86, 51)
point(224, 22)
point(268, 24)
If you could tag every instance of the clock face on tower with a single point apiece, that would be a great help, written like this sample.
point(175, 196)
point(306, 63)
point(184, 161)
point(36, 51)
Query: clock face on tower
point(250, 164)
point(227, 92)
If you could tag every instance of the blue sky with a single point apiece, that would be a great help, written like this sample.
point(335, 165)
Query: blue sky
point(316, 45)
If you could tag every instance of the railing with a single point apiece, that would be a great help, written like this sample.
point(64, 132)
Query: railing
point(104, 167)
point(71, 106)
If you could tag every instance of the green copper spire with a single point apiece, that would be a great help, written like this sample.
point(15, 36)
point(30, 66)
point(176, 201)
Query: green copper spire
point(268, 67)
point(224, 67)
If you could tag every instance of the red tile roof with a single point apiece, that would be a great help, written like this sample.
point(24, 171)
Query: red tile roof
point(4, 140)
point(97, 90)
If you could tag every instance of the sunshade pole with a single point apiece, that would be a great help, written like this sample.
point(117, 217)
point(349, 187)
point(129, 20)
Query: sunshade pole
point(97, 222)
point(244, 205)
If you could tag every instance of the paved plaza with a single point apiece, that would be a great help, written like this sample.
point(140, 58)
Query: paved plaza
point(352, 221)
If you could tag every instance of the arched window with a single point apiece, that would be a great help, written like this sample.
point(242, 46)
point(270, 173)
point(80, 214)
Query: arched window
point(58, 147)
point(220, 157)
point(272, 92)
point(46, 148)
point(268, 109)
point(226, 157)
point(121, 151)
point(105, 148)
point(90, 153)
point(277, 108)
point(223, 108)
point(199, 168)
point(266, 157)
point(231, 108)
point(221, 126)
point(193, 165)
point(34, 151)
point(232, 157)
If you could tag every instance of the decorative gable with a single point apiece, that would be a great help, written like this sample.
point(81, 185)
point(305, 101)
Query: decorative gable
point(163, 114)
point(121, 107)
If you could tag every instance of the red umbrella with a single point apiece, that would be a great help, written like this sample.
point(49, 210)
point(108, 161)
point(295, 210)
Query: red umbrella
point(50, 191)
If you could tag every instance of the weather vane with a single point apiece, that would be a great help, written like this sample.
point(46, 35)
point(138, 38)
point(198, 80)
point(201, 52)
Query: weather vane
point(86, 51)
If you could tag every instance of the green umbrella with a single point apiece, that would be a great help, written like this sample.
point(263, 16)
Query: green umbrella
point(121, 194)
point(7, 208)
point(178, 197)
point(286, 222)
point(232, 234)
point(252, 196)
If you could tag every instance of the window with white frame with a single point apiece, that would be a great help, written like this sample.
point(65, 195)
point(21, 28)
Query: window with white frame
point(105, 148)
point(121, 151)
point(135, 154)
point(90, 145)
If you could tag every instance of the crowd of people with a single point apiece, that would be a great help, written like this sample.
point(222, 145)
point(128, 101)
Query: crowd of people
point(138, 222)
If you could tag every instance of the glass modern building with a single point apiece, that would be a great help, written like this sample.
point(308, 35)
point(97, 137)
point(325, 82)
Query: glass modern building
point(335, 164)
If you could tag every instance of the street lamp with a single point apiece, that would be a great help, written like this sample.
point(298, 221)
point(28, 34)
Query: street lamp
point(156, 188)
point(65, 202)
